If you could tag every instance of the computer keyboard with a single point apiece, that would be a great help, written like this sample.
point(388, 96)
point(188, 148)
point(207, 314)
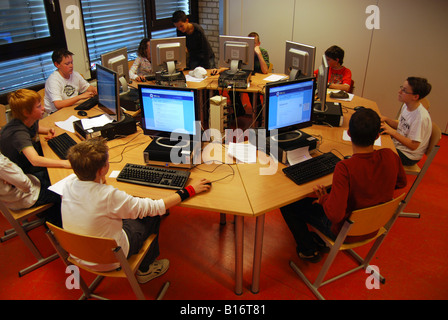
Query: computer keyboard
point(60, 145)
point(312, 169)
point(88, 104)
point(153, 176)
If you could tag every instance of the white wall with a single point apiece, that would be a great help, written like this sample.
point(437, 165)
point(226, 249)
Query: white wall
point(411, 41)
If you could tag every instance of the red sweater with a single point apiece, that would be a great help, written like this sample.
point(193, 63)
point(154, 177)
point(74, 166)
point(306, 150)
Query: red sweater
point(364, 180)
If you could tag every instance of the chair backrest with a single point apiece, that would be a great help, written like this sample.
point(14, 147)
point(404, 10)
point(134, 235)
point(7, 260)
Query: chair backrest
point(92, 249)
point(271, 67)
point(3, 119)
point(436, 135)
point(371, 219)
point(425, 103)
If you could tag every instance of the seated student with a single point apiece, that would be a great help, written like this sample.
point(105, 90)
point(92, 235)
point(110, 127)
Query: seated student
point(91, 207)
point(412, 131)
point(142, 64)
point(64, 87)
point(339, 77)
point(261, 57)
point(199, 50)
point(368, 178)
point(19, 138)
point(23, 191)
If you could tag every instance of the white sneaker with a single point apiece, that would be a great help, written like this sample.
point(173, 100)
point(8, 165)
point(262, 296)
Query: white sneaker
point(156, 269)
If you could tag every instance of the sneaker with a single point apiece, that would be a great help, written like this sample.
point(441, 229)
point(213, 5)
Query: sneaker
point(321, 245)
point(156, 269)
point(313, 257)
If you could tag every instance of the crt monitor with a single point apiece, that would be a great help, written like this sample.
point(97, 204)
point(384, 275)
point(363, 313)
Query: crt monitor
point(322, 81)
point(236, 53)
point(117, 60)
point(108, 92)
point(167, 110)
point(299, 60)
point(168, 55)
point(289, 106)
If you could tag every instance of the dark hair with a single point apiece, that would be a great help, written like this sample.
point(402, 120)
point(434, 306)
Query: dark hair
point(335, 52)
point(58, 54)
point(179, 15)
point(419, 86)
point(364, 127)
point(142, 48)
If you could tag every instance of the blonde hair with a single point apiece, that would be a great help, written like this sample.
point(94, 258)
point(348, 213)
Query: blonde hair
point(88, 157)
point(22, 102)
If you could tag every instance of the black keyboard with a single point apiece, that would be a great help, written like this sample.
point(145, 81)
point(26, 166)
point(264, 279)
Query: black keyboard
point(88, 104)
point(60, 145)
point(159, 177)
point(312, 169)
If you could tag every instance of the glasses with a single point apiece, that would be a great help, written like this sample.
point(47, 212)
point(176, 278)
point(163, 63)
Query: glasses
point(402, 89)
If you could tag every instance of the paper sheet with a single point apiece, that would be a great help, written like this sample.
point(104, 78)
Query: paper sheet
point(96, 121)
point(244, 152)
point(67, 124)
point(275, 77)
point(298, 155)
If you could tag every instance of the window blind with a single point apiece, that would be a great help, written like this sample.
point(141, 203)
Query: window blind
point(165, 9)
point(112, 24)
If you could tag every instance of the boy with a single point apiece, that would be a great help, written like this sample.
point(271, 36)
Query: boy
point(368, 178)
point(91, 207)
point(412, 131)
point(200, 52)
point(339, 77)
point(19, 139)
point(63, 86)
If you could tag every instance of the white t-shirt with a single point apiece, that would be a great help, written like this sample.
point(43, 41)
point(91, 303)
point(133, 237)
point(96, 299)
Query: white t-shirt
point(417, 126)
point(95, 209)
point(57, 88)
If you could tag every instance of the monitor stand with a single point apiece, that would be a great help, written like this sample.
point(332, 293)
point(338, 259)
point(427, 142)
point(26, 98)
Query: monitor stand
point(287, 136)
point(168, 143)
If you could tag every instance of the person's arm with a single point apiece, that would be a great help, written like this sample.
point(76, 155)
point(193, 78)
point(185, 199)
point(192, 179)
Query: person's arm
point(59, 104)
point(48, 131)
point(175, 199)
point(263, 65)
point(38, 161)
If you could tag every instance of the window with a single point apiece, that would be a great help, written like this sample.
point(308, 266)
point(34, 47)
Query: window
point(30, 31)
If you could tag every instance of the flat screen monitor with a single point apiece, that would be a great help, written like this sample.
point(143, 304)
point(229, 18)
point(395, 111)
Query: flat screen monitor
point(167, 110)
point(236, 53)
point(322, 81)
point(117, 61)
point(108, 92)
point(168, 55)
point(289, 106)
point(299, 60)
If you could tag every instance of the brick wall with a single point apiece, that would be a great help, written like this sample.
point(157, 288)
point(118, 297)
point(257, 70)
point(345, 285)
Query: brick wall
point(209, 21)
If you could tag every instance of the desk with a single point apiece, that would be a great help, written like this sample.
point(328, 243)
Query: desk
point(246, 194)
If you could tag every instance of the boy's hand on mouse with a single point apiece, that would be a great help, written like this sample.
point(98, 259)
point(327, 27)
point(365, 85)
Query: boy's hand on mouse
point(201, 186)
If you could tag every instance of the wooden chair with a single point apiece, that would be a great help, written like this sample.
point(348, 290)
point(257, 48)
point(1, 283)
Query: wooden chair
point(18, 220)
point(430, 152)
point(3, 120)
point(102, 251)
point(377, 219)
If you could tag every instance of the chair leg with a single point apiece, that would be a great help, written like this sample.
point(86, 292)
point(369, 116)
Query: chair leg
point(307, 282)
point(410, 215)
point(163, 291)
point(26, 225)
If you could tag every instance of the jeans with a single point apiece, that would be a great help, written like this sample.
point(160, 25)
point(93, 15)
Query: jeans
point(298, 215)
point(138, 230)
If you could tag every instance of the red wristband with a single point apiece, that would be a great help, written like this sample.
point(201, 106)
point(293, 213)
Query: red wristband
point(190, 190)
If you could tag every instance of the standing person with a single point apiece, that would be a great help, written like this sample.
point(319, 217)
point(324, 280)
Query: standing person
point(200, 52)
point(91, 207)
point(412, 131)
point(64, 87)
point(339, 77)
point(142, 65)
point(368, 178)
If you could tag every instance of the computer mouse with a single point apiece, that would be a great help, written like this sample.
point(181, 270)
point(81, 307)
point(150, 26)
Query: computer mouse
point(358, 108)
point(82, 113)
point(347, 157)
point(209, 183)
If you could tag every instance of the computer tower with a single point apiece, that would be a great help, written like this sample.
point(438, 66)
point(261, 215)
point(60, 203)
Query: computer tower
point(331, 116)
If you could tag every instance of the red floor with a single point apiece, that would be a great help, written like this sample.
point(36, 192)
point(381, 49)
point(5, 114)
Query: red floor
point(201, 252)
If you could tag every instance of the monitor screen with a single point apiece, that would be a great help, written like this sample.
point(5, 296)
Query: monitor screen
point(322, 81)
point(117, 61)
point(108, 92)
point(236, 53)
point(169, 109)
point(168, 54)
point(289, 105)
point(299, 60)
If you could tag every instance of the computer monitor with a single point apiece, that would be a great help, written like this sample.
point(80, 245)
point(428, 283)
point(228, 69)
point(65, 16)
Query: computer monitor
point(322, 81)
point(289, 106)
point(236, 53)
point(167, 110)
point(299, 60)
point(109, 92)
point(117, 61)
point(168, 55)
